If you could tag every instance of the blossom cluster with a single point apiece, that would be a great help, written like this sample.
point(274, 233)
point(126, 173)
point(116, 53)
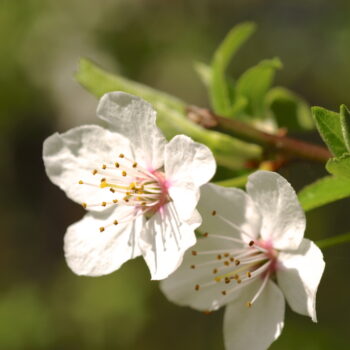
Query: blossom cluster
point(145, 196)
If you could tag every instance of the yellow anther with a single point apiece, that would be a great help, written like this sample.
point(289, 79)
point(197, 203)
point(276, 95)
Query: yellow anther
point(132, 186)
point(226, 255)
point(248, 304)
point(94, 172)
point(143, 203)
point(115, 222)
point(213, 212)
point(219, 257)
point(104, 204)
point(196, 287)
point(215, 271)
point(124, 173)
point(81, 182)
point(84, 205)
point(103, 179)
point(116, 164)
point(134, 165)
point(218, 279)
point(121, 155)
point(206, 234)
point(223, 292)
point(112, 190)
point(237, 262)
point(102, 229)
point(251, 243)
point(126, 199)
point(104, 166)
point(115, 200)
point(232, 259)
point(194, 252)
point(193, 266)
point(249, 274)
point(226, 263)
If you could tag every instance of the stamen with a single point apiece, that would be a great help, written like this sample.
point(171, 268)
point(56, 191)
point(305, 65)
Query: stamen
point(258, 293)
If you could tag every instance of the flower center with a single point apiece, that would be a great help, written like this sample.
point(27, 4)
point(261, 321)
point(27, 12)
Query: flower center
point(240, 262)
point(131, 185)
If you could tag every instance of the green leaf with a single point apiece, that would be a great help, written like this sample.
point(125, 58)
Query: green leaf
point(289, 110)
point(324, 191)
point(204, 72)
point(98, 82)
point(254, 84)
point(329, 127)
point(345, 125)
point(339, 166)
point(219, 89)
point(229, 152)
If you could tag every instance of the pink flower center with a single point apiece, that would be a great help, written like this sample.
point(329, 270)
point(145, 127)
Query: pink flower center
point(241, 260)
point(126, 183)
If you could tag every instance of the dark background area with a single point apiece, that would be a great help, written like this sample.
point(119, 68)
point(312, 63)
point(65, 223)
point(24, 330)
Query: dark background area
point(43, 305)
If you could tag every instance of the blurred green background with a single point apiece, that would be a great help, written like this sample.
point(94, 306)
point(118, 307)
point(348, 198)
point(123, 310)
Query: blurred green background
point(43, 305)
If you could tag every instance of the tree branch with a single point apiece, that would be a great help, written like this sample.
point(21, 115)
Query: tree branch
point(280, 144)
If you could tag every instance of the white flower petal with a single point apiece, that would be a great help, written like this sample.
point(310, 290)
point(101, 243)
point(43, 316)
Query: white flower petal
point(299, 275)
point(135, 119)
point(254, 328)
point(72, 156)
point(283, 219)
point(93, 253)
point(231, 205)
point(185, 199)
point(186, 161)
point(165, 240)
point(180, 286)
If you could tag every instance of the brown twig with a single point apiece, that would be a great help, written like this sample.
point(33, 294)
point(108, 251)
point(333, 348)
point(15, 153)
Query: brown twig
point(278, 143)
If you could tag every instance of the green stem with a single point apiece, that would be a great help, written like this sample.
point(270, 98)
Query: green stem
point(329, 242)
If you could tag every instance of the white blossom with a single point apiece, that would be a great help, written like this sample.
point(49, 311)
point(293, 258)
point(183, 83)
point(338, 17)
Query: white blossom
point(251, 258)
point(140, 191)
